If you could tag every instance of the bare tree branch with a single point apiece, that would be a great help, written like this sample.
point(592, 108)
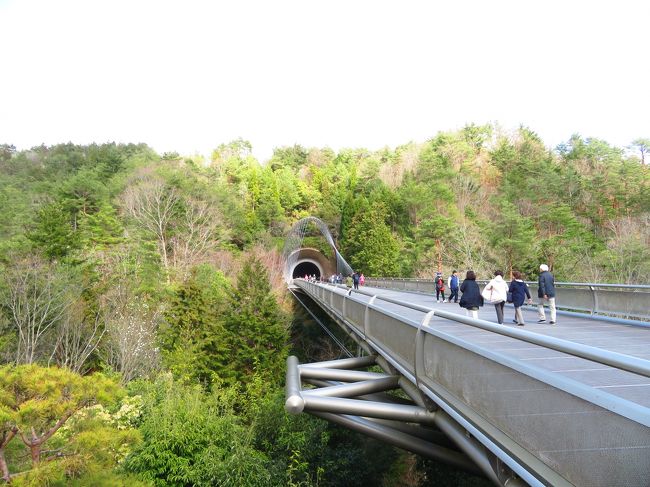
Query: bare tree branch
point(152, 204)
point(76, 340)
point(38, 296)
point(130, 346)
point(197, 235)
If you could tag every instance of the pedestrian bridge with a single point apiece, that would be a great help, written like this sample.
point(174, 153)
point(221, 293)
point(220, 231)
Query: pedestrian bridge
point(544, 405)
point(539, 405)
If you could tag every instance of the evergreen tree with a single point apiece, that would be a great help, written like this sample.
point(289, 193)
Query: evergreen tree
point(291, 157)
point(370, 244)
point(256, 327)
point(53, 233)
point(192, 439)
point(193, 341)
point(563, 240)
point(643, 145)
point(101, 229)
point(512, 237)
point(36, 402)
point(82, 194)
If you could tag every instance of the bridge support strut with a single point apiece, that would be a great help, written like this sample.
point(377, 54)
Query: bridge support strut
point(357, 400)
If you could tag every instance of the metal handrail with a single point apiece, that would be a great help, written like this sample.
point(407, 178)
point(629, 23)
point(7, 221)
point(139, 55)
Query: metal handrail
point(605, 357)
point(624, 303)
point(559, 284)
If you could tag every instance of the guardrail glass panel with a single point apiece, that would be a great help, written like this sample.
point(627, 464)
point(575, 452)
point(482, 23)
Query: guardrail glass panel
point(573, 298)
point(337, 302)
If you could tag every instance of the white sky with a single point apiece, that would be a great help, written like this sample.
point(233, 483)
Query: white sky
point(189, 75)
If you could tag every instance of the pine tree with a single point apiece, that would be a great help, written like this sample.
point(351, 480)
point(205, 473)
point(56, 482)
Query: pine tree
point(193, 339)
point(101, 229)
point(53, 233)
point(512, 236)
point(37, 401)
point(256, 326)
point(370, 244)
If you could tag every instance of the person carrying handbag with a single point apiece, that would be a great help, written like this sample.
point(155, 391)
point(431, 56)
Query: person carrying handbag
point(496, 292)
point(520, 292)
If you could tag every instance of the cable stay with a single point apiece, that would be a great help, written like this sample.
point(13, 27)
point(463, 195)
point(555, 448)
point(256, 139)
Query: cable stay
point(324, 327)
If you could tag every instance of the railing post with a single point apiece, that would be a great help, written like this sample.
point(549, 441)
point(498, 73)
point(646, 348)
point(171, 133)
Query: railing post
point(418, 363)
point(366, 316)
point(595, 300)
point(418, 366)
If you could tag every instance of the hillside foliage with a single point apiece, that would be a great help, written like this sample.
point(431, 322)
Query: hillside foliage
point(158, 280)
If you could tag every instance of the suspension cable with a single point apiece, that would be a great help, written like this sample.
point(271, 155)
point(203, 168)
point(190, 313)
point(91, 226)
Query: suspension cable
point(323, 326)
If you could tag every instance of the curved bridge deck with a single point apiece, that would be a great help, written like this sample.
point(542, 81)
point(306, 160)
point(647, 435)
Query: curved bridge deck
point(560, 405)
point(625, 339)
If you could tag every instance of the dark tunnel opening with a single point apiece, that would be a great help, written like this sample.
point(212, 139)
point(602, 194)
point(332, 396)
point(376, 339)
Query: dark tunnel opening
point(307, 268)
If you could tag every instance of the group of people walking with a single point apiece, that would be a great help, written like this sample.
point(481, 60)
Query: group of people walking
point(498, 292)
point(452, 285)
point(355, 279)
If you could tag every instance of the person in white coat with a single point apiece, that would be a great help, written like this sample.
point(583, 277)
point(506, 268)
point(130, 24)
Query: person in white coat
point(496, 292)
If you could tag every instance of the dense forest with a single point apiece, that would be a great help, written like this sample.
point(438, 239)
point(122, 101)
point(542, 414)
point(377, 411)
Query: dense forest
point(144, 325)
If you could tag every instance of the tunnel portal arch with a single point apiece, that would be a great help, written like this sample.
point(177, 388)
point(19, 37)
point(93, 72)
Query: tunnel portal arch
point(294, 253)
point(309, 261)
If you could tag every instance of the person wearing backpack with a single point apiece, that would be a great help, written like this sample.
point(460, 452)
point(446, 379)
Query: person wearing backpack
point(356, 277)
point(440, 288)
point(452, 284)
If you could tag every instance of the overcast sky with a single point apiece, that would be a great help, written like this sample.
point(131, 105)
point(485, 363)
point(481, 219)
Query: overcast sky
point(189, 75)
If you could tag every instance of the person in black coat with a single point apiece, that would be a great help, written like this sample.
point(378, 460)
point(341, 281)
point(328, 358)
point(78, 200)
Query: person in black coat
point(471, 298)
point(355, 279)
point(520, 292)
point(546, 292)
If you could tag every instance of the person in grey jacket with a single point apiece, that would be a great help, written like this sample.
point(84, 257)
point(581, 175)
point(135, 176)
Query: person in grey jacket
point(546, 292)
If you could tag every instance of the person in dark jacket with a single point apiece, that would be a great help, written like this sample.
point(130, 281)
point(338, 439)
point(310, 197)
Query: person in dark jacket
point(520, 292)
point(355, 279)
point(471, 298)
point(452, 284)
point(546, 292)
point(440, 287)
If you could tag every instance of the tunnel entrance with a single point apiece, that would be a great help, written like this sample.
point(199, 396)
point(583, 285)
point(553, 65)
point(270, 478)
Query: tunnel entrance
point(308, 261)
point(306, 267)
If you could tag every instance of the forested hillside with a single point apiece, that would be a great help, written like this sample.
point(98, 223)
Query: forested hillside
point(143, 321)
